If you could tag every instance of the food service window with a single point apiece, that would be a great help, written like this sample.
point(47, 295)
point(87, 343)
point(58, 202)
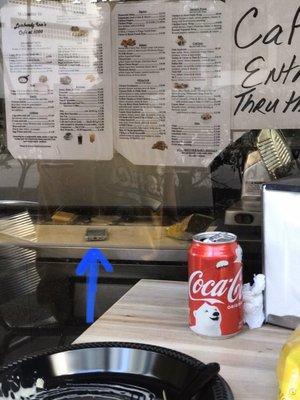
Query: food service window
point(131, 126)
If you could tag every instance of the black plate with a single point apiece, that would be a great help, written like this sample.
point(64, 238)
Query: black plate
point(108, 371)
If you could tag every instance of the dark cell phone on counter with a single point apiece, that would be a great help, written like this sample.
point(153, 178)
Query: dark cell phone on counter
point(95, 234)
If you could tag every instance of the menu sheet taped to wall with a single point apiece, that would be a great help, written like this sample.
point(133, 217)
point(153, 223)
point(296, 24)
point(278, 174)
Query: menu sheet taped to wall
point(266, 68)
point(57, 77)
point(172, 81)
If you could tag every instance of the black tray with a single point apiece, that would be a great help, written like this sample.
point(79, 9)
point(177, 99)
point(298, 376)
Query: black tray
point(124, 371)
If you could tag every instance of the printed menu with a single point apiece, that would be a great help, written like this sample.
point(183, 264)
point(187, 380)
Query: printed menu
point(168, 87)
point(164, 96)
point(172, 81)
point(57, 80)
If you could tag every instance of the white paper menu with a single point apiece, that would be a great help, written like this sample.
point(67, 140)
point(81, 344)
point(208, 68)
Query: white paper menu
point(172, 81)
point(57, 78)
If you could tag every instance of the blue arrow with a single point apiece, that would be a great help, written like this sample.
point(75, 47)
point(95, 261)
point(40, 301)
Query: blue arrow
point(89, 265)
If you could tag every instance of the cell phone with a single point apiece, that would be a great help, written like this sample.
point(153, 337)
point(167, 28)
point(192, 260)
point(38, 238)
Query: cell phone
point(95, 234)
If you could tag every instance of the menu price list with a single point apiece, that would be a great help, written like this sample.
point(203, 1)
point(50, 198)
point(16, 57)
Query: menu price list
point(168, 65)
point(57, 80)
point(172, 81)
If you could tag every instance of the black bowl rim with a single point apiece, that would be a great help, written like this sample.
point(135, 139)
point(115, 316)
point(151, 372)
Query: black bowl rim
point(193, 362)
point(182, 357)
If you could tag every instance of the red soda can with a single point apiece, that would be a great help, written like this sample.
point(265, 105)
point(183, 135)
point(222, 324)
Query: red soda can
point(215, 285)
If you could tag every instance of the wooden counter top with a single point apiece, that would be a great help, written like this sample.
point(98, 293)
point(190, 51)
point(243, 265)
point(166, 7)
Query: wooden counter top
point(135, 236)
point(155, 312)
point(146, 242)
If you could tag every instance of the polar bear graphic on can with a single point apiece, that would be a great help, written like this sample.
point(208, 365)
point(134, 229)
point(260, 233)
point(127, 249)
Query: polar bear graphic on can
point(208, 320)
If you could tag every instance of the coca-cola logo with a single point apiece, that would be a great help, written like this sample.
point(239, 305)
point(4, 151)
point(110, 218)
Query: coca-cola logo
point(212, 291)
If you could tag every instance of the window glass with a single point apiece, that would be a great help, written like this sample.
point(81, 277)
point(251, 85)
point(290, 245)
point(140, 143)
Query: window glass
point(130, 127)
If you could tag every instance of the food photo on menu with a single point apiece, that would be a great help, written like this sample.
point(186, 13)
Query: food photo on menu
point(149, 200)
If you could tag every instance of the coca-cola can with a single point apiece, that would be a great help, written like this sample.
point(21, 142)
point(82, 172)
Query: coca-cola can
point(215, 285)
